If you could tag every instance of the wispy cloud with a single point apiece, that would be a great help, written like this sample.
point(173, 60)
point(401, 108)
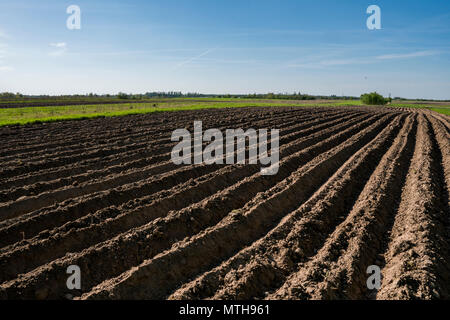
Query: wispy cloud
point(265, 32)
point(343, 62)
point(193, 58)
point(365, 60)
point(6, 68)
point(140, 52)
point(59, 44)
point(407, 55)
point(332, 62)
point(61, 48)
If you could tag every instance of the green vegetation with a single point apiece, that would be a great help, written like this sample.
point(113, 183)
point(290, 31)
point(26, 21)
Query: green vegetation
point(91, 97)
point(10, 95)
point(374, 98)
point(122, 95)
point(445, 111)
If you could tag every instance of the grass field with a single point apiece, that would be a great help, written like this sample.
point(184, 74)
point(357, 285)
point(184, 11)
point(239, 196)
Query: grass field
point(442, 110)
point(26, 115)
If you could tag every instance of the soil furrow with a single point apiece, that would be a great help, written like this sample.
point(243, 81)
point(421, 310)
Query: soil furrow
point(101, 163)
point(356, 186)
point(85, 131)
point(107, 144)
point(66, 150)
point(209, 247)
point(417, 259)
point(122, 169)
point(55, 267)
point(264, 265)
point(338, 270)
point(19, 208)
point(13, 261)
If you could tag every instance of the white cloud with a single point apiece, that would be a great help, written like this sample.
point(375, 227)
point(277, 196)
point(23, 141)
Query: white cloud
point(6, 68)
point(342, 62)
point(332, 62)
point(407, 55)
point(61, 46)
point(355, 61)
point(58, 44)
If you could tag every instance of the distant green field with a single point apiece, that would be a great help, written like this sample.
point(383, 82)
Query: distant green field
point(26, 115)
point(442, 110)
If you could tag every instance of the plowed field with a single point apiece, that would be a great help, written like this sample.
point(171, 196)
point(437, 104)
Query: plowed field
point(356, 187)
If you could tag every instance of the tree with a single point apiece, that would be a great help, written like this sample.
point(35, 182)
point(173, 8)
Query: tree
point(374, 98)
point(7, 95)
point(122, 95)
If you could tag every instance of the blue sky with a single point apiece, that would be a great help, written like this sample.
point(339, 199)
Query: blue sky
point(226, 46)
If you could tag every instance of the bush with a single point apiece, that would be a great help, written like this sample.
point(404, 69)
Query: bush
point(374, 99)
point(122, 95)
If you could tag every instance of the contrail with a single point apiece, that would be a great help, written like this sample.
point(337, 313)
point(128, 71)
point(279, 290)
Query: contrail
point(193, 58)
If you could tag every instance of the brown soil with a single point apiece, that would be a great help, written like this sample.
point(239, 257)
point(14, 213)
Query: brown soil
point(357, 186)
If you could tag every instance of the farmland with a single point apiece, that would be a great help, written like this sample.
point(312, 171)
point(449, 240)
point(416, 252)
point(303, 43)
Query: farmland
point(43, 110)
point(26, 114)
point(357, 186)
